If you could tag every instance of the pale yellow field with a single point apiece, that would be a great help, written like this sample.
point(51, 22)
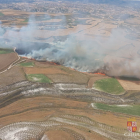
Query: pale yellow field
point(130, 85)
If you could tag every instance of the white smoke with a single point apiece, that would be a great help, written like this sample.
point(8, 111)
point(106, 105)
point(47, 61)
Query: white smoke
point(116, 55)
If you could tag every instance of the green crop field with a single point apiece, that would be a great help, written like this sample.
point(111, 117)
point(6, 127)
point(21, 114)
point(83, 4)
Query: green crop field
point(1, 14)
point(41, 78)
point(130, 109)
point(109, 85)
point(27, 64)
point(5, 51)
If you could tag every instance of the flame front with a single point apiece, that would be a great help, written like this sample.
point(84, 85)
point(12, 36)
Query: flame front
point(99, 73)
point(53, 63)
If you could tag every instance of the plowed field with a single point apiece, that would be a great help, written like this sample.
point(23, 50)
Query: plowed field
point(6, 60)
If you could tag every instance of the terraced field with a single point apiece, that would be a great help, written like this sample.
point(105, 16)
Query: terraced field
point(47, 99)
point(41, 78)
point(41, 100)
point(125, 108)
point(65, 109)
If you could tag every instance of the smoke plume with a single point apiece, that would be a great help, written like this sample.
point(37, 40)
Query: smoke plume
point(115, 55)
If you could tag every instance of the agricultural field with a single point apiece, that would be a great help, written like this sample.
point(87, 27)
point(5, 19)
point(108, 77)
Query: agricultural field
point(38, 108)
point(41, 78)
point(75, 119)
point(130, 83)
point(110, 85)
point(126, 109)
point(7, 59)
point(13, 75)
point(95, 77)
point(36, 70)
point(27, 64)
point(74, 72)
point(5, 51)
point(61, 97)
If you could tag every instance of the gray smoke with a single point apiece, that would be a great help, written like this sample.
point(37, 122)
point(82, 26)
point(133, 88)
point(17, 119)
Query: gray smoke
point(115, 55)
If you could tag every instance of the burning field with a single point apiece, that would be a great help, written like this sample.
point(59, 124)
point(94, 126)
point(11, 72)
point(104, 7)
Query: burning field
point(39, 99)
point(112, 54)
point(70, 77)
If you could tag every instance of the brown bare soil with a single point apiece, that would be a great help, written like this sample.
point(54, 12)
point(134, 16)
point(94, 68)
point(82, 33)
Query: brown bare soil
point(44, 71)
point(11, 76)
point(32, 103)
point(88, 135)
point(69, 133)
point(6, 60)
point(36, 109)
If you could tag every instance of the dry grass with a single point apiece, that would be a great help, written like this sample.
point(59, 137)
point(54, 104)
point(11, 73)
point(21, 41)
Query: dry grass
point(44, 71)
point(11, 76)
point(74, 78)
point(57, 73)
point(43, 64)
point(130, 85)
